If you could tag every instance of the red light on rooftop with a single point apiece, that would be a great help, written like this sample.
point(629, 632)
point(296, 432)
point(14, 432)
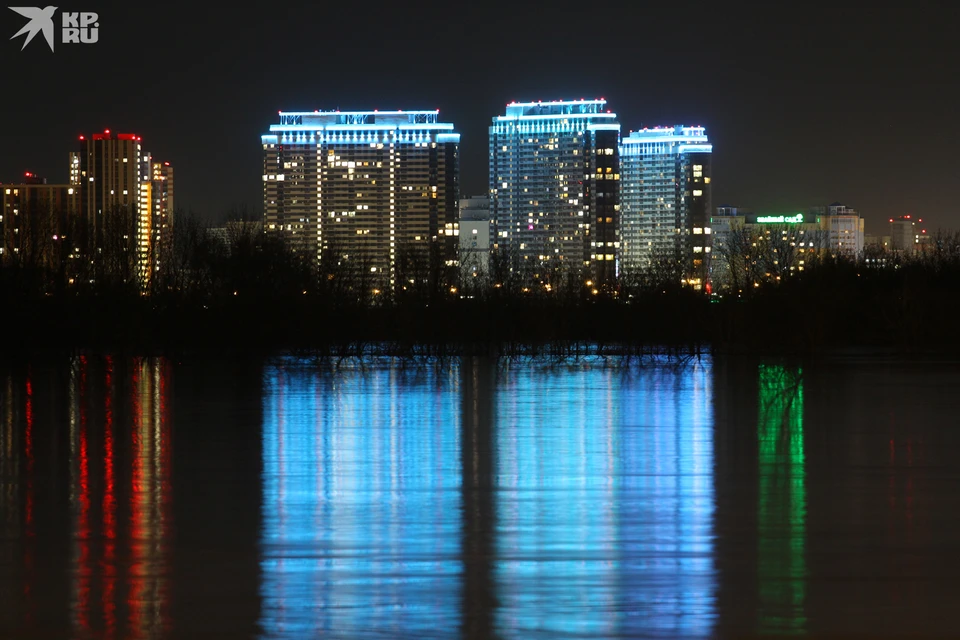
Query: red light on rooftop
point(106, 130)
point(166, 164)
point(81, 137)
point(28, 174)
point(891, 219)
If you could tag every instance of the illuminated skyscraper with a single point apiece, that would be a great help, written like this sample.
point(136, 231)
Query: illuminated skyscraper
point(125, 195)
point(375, 192)
point(155, 237)
point(554, 189)
point(107, 171)
point(666, 199)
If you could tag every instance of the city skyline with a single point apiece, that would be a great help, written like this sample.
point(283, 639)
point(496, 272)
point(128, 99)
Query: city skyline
point(754, 83)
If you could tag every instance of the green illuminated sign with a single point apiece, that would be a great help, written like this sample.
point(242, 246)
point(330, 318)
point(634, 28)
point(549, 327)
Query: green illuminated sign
point(797, 219)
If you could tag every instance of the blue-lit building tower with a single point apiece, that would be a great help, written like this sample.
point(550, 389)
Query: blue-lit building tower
point(666, 200)
point(554, 191)
point(374, 192)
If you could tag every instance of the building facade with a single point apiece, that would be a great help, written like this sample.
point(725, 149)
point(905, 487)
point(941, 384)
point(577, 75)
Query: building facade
point(903, 235)
point(125, 200)
point(34, 221)
point(475, 237)
point(374, 193)
point(155, 225)
point(750, 250)
point(555, 190)
point(845, 229)
point(666, 199)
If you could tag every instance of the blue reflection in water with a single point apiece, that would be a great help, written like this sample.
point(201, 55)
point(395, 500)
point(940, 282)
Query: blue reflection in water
point(361, 503)
point(605, 502)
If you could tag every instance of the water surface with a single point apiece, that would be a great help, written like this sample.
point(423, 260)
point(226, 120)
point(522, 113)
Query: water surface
point(149, 498)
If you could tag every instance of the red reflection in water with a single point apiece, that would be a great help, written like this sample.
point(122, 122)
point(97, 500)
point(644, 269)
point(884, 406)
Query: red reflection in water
point(138, 512)
point(83, 569)
point(28, 552)
point(108, 565)
point(166, 446)
point(28, 438)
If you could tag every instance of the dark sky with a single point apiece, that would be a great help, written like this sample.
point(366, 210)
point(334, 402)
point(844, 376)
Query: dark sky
point(805, 103)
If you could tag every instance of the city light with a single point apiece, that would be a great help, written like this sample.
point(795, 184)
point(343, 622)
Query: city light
point(795, 219)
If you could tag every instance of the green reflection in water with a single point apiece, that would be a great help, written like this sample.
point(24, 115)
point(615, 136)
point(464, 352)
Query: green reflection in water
point(783, 501)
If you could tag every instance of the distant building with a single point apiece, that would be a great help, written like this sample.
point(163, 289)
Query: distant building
point(665, 215)
point(124, 192)
point(375, 192)
point(845, 229)
point(876, 242)
point(156, 212)
point(475, 236)
point(834, 229)
point(749, 249)
point(554, 189)
point(903, 235)
point(34, 221)
point(234, 230)
point(220, 235)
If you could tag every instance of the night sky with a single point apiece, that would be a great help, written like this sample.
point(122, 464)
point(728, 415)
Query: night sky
point(804, 105)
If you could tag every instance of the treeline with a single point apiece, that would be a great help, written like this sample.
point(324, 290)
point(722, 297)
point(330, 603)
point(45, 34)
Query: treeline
point(243, 290)
point(880, 299)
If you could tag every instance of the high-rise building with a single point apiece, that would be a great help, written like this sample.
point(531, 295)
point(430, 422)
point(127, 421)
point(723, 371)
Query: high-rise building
point(34, 220)
point(666, 193)
point(475, 236)
point(106, 169)
point(374, 192)
point(125, 198)
point(155, 228)
point(554, 189)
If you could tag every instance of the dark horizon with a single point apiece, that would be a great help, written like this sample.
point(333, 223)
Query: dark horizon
point(840, 104)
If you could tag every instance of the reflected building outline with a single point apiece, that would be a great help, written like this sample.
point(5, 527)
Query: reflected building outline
point(644, 565)
point(333, 447)
point(782, 503)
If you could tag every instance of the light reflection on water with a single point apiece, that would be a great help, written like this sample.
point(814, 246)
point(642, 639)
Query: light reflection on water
point(142, 498)
point(604, 502)
point(361, 504)
point(600, 502)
